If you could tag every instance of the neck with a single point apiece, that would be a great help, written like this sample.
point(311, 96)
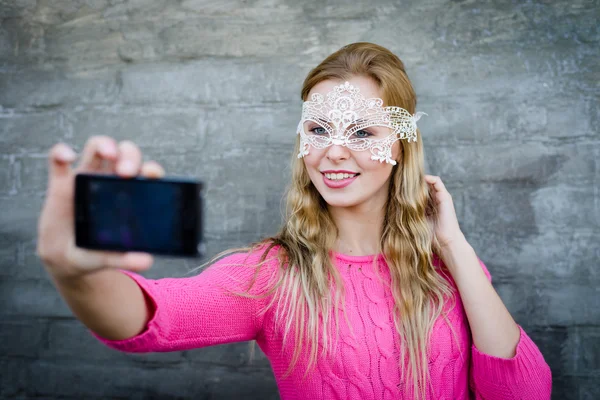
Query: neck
point(359, 229)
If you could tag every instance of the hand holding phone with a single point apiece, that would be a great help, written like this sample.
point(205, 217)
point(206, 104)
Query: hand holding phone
point(56, 245)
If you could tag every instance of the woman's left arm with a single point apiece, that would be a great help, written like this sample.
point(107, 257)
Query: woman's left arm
point(506, 363)
point(504, 359)
point(493, 329)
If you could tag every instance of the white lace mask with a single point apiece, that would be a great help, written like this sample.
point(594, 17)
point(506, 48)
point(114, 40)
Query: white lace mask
point(342, 118)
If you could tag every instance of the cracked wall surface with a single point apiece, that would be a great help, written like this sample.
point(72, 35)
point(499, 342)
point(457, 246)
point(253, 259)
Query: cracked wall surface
point(211, 90)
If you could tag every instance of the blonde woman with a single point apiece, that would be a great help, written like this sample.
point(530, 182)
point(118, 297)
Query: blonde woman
point(370, 289)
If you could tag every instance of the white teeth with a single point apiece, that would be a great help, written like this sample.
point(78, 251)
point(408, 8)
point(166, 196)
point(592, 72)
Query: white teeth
point(339, 176)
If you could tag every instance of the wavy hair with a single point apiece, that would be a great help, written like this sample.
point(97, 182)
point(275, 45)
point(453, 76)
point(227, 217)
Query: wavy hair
point(308, 284)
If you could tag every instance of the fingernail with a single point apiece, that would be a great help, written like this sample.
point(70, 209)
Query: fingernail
point(156, 171)
point(107, 149)
point(66, 154)
point(127, 167)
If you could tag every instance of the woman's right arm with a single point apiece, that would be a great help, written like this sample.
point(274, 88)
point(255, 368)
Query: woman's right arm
point(103, 298)
point(104, 289)
point(207, 309)
point(108, 302)
point(131, 313)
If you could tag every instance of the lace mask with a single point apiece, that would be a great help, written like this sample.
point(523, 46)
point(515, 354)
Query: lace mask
point(342, 118)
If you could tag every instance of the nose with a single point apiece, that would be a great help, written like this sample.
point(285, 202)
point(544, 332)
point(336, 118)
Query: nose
point(337, 152)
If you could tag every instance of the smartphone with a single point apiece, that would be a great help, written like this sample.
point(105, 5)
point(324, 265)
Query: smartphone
point(158, 216)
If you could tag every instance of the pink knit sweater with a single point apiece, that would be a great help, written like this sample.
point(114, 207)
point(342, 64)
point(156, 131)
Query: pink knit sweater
point(194, 312)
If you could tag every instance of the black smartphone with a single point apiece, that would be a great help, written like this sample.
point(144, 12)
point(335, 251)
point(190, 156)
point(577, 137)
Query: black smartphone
point(158, 216)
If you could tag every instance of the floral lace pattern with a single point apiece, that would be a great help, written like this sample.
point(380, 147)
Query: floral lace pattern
point(344, 112)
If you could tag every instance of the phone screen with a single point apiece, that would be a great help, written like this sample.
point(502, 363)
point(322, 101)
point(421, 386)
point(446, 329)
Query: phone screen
point(161, 216)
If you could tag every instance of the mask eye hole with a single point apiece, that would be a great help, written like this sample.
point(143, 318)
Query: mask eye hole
point(317, 128)
point(318, 131)
point(362, 134)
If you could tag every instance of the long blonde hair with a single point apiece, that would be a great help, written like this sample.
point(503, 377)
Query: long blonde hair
point(306, 273)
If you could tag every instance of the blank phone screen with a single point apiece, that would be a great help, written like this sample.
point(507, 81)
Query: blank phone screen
point(140, 215)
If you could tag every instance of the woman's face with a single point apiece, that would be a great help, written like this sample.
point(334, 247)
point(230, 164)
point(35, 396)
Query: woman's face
point(369, 187)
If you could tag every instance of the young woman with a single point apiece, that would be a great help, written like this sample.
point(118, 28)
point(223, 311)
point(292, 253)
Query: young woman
point(369, 291)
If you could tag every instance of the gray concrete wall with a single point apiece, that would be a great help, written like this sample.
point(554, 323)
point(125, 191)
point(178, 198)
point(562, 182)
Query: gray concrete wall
point(210, 89)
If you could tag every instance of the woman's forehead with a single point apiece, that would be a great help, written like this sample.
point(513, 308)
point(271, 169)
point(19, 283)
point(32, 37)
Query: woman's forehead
point(367, 86)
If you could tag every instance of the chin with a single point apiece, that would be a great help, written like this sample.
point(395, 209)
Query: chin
point(341, 201)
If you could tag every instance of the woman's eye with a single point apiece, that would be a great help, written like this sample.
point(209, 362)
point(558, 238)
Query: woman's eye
point(318, 130)
point(362, 134)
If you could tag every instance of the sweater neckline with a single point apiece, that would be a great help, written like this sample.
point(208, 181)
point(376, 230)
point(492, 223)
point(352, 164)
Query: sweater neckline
point(369, 258)
point(356, 259)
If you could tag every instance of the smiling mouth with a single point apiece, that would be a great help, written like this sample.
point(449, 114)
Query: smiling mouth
point(339, 176)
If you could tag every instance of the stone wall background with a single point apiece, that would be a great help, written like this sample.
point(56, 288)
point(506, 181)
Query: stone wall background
point(211, 89)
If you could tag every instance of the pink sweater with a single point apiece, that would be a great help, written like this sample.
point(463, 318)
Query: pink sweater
point(195, 312)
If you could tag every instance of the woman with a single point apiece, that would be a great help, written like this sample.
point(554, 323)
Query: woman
point(369, 291)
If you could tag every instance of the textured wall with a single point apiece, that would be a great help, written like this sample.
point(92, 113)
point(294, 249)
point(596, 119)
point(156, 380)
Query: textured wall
point(210, 89)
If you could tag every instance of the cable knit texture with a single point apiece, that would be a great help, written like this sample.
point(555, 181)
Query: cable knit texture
point(199, 311)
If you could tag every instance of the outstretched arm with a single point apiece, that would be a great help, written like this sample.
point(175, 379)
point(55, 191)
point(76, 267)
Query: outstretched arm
point(202, 310)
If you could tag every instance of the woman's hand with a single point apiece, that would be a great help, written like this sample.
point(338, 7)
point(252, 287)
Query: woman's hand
point(444, 221)
point(56, 238)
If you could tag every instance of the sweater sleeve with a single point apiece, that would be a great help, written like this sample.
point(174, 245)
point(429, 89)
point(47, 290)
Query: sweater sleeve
point(201, 310)
point(524, 376)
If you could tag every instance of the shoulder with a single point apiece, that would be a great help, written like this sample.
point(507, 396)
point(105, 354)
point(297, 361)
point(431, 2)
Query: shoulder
point(257, 255)
point(254, 265)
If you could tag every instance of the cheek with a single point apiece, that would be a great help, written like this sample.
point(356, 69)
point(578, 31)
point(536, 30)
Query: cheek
point(313, 158)
point(311, 165)
point(380, 174)
point(377, 171)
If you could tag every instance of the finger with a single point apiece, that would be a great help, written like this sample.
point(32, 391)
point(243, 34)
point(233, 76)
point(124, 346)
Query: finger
point(439, 185)
point(60, 158)
point(152, 169)
point(133, 261)
point(436, 182)
point(87, 260)
point(130, 159)
point(59, 194)
point(96, 150)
